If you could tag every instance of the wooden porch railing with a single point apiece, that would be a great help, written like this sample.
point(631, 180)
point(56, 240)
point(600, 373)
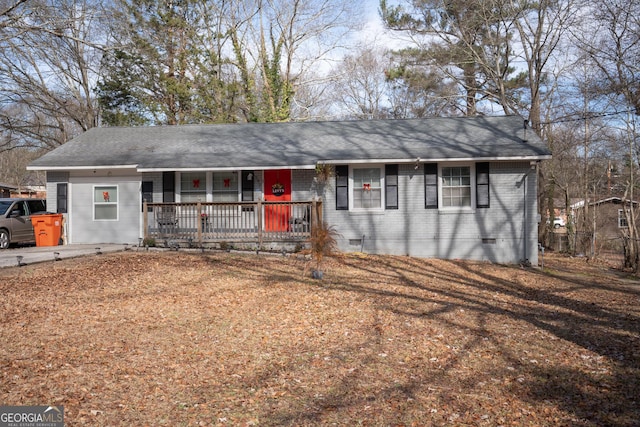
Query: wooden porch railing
point(258, 222)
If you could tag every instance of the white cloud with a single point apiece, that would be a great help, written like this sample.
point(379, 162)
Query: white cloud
point(374, 34)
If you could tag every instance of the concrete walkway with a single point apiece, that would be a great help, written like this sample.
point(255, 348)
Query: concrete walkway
point(22, 255)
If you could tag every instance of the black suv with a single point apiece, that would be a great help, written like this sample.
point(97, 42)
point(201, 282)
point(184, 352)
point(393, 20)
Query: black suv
point(15, 220)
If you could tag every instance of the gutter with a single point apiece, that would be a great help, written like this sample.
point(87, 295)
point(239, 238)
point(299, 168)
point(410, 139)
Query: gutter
point(78, 168)
point(438, 159)
point(275, 167)
point(226, 168)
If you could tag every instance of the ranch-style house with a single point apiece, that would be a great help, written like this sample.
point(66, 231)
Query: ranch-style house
point(437, 187)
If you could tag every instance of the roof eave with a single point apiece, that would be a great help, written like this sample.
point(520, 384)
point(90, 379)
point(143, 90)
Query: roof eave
point(225, 168)
point(75, 168)
point(274, 167)
point(438, 159)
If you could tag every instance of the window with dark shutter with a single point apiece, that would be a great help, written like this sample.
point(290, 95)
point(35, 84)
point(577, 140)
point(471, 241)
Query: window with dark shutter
point(147, 194)
point(391, 186)
point(482, 185)
point(342, 187)
point(61, 197)
point(168, 187)
point(431, 185)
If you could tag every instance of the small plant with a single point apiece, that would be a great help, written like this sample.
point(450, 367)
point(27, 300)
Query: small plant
point(149, 242)
point(323, 242)
point(324, 172)
point(226, 246)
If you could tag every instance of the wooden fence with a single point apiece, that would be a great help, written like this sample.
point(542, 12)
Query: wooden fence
point(251, 222)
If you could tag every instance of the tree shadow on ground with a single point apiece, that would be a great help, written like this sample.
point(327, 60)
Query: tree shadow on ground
point(586, 313)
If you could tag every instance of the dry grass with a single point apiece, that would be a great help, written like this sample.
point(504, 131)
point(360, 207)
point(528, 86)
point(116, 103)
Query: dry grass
point(232, 339)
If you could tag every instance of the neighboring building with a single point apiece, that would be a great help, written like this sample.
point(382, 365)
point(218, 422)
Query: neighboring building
point(6, 190)
point(607, 217)
point(440, 187)
point(30, 191)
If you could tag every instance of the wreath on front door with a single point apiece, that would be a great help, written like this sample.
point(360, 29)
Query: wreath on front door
point(277, 189)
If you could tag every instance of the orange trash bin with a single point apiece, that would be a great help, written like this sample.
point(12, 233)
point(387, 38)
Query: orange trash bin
point(47, 229)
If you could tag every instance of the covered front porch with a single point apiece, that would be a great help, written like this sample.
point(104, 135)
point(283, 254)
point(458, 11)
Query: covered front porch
point(199, 224)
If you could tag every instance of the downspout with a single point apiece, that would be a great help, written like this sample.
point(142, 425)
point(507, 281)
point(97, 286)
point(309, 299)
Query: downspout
point(524, 192)
point(526, 228)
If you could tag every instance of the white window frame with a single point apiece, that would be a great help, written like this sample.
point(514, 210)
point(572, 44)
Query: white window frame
point(205, 185)
point(95, 203)
point(472, 186)
point(208, 195)
point(237, 189)
point(379, 166)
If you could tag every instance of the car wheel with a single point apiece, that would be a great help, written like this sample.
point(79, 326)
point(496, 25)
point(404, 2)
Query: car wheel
point(4, 239)
point(556, 225)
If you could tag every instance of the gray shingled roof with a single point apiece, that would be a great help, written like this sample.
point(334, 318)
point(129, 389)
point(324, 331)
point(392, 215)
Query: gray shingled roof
point(303, 144)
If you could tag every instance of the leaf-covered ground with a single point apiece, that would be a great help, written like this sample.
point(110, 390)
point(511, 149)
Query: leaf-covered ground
point(177, 338)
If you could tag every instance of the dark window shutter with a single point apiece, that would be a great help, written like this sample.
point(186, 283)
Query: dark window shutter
point(431, 185)
point(61, 197)
point(482, 185)
point(168, 187)
point(147, 194)
point(248, 177)
point(391, 186)
point(342, 187)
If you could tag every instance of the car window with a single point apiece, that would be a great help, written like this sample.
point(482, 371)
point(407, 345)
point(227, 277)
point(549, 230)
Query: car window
point(20, 207)
point(4, 205)
point(36, 206)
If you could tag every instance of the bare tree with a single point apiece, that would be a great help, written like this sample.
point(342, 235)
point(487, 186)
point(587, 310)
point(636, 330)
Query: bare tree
point(13, 167)
point(200, 61)
point(8, 16)
point(283, 43)
point(540, 30)
point(614, 48)
point(360, 86)
point(48, 54)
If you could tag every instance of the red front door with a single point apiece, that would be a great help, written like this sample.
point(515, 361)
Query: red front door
point(277, 188)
